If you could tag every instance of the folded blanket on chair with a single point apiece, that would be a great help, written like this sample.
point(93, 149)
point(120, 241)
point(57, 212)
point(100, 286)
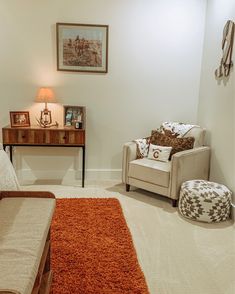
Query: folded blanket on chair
point(142, 145)
point(177, 129)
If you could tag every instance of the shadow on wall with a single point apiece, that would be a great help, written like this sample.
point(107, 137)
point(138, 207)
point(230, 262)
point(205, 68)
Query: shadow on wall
point(218, 174)
point(49, 164)
point(216, 171)
point(224, 80)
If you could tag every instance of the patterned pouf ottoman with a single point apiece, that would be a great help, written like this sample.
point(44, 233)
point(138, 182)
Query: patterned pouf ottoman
point(205, 201)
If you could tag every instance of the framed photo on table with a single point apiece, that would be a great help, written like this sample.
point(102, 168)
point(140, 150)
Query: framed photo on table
point(82, 47)
point(19, 118)
point(74, 116)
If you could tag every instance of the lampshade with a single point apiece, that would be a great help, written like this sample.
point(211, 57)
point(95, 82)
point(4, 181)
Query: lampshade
point(45, 95)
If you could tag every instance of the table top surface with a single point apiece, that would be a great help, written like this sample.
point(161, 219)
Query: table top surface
point(36, 127)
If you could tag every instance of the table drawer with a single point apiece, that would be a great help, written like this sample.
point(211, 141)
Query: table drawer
point(43, 137)
point(23, 136)
point(15, 136)
point(66, 137)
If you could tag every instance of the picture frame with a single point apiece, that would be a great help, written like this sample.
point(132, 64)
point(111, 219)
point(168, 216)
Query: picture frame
point(74, 116)
point(82, 47)
point(19, 119)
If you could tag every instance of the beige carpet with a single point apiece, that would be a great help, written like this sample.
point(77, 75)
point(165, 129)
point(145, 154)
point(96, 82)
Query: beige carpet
point(177, 256)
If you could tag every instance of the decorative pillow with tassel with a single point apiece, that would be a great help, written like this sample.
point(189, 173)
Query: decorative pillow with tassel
point(177, 144)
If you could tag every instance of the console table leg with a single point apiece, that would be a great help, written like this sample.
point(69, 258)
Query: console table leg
point(10, 148)
point(83, 166)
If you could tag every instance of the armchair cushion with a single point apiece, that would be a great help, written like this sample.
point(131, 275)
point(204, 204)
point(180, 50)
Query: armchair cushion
point(160, 153)
point(151, 171)
point(177, 144)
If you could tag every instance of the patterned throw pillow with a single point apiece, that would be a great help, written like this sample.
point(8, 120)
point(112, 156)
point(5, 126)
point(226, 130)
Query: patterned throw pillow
point(168, 133)
point(177, 144)
point(160, 153)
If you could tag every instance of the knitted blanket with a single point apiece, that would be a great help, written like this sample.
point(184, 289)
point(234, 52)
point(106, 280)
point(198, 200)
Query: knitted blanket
point(177, 129)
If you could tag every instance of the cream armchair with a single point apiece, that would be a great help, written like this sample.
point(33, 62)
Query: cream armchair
point(165, 178)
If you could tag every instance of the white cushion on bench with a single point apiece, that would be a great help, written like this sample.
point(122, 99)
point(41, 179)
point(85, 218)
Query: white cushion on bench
point(24, 225)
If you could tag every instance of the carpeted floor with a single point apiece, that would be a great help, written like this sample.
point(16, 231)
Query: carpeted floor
point(92, 249)
point(177, 256)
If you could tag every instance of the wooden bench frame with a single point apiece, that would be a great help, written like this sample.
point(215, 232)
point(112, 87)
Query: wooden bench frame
point(43, 279)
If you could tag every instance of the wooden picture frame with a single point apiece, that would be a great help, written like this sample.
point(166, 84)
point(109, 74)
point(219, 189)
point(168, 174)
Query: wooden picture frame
point(19, 119)
point(74, 116)
point(82, 47)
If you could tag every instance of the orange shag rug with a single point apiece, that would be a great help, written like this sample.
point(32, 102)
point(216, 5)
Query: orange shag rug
point(92, 249)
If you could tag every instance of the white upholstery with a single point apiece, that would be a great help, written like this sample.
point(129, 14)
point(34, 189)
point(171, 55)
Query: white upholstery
point(150, 171)
point(8, 179)
point(198, 134)
point(166, 178)
point(24, 225)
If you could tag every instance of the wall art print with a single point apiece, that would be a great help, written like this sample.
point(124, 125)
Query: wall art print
point(82, 47)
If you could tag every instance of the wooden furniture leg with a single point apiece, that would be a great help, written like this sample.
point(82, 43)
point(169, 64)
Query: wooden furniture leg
point(127, 187)
point(174, 203)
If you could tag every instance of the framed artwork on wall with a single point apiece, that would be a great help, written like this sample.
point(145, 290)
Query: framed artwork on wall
point(19, 119)
point(82, 47)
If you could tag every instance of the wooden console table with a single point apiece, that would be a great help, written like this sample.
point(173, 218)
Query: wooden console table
point(49, 137)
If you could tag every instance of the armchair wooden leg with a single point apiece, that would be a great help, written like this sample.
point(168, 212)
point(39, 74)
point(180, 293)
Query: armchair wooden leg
point(174, 203)
point(127, 187)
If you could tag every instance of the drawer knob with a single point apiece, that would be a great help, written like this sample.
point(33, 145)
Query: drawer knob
point(64, 137)
point(23, 136)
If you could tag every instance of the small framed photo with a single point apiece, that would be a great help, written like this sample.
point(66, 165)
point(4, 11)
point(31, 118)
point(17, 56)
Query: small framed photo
point(19, 118)
point(82, 47)
point(74, 116)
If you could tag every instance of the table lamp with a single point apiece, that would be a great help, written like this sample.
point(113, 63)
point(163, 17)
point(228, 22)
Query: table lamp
point(46, 95)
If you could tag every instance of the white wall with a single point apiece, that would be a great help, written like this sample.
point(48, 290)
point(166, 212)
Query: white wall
point(217, 98)
point(155, 50)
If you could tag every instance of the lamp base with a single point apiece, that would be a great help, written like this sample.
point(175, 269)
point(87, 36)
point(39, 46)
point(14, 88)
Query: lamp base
point(45, 120)
point(43, 124)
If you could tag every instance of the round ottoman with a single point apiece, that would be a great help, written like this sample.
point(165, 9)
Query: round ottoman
point(205, 201)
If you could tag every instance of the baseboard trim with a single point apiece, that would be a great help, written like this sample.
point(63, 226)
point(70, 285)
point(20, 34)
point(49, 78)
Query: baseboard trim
point(28, 175)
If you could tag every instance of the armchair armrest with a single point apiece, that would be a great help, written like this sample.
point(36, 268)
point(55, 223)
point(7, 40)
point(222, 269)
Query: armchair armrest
point(129, 154)
point(26, 194)
point(189, 165)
